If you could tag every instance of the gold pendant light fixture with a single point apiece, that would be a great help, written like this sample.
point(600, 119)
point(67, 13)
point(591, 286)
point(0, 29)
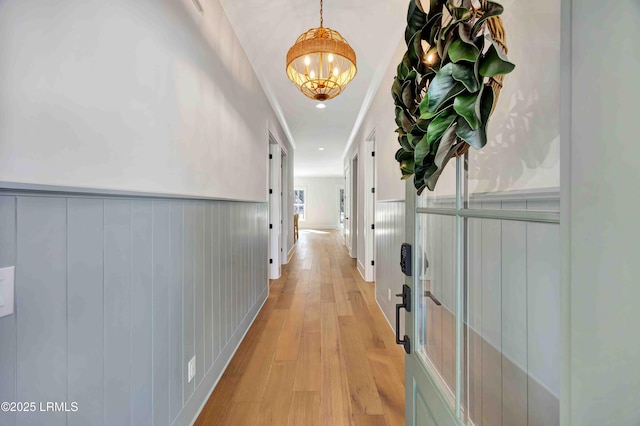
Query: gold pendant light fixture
point(321, 62)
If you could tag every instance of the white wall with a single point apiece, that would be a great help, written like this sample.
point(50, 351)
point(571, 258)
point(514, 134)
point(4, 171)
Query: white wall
point(145, 96)
point(600, 213)
point(379, 118)
point(523, 149)
point(322, 202)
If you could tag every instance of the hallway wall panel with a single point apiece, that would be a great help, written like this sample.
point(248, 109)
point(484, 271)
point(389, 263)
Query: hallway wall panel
point(390, 217)
point(177, 90)
point(115, 295)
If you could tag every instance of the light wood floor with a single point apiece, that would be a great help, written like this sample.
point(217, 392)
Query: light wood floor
point(319, 353)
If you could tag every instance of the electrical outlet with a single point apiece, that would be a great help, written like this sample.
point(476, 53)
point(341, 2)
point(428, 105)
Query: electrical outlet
point(192, 368)
point(389, 294)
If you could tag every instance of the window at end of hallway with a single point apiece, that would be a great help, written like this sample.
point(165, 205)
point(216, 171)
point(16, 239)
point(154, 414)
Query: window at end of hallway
point(299, 202)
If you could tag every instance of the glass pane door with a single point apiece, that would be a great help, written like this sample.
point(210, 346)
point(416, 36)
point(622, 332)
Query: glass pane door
point(436, 296)
point(487, 304)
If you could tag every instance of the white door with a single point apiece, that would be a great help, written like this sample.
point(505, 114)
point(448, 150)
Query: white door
point(286, 219)
point(347, 208)
point(354, 210)
point(275, 217)
point(370, 210)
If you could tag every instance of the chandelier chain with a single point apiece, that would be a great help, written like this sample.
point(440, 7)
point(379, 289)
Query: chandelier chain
point(321, 18)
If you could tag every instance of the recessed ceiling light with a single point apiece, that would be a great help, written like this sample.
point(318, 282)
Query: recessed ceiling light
point(320, 149)
point(321, 106)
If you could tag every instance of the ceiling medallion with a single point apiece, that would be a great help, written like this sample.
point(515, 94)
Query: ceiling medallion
point(321, 62)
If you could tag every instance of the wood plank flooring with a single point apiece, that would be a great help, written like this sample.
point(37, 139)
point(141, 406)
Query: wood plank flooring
point(319, 353)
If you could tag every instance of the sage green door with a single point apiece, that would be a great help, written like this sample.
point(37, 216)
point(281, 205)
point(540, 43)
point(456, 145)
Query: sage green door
point(485, 308)
point(427, 401)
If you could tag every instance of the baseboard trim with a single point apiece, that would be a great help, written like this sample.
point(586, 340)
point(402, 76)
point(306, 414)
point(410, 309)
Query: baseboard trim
point(291, 252)
point(385, 316)
point(227, 354)
point(361, 270)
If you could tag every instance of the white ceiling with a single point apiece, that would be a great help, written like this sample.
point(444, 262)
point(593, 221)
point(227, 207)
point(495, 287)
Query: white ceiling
point(268, 28)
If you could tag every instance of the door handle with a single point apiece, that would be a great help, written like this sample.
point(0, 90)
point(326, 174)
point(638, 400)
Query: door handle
point(406, 304)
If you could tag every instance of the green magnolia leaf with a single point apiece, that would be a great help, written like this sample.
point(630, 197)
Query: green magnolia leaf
point(463, 48)
point(407, 168)
point(420, 127)
point(491, 9)
point(416, 19)
point(406, 61)
point(460, 13)
point(403, 155)
point(465, 74)
point(460, 51)
point(478, 138)
point(444, 146)
point(422, 172)
point(442, 88)
point(404, 142)
point(444, 40)
point(439, 125)
point(414, 49)
point(468, 107)
point(396, 90)
point(403, 120)
point(431, 28)
point(413, 139)
point(425, 114)
point(495, 62)
point(409, 94)
point(421, 150)
point(402, 71)
point(431, 181)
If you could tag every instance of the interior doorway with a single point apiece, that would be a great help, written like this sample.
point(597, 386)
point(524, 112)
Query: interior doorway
point(370, 209)
point(346, 229)
point(284, 208)
point(341, 206)
point(275, 209)
point(353, 214)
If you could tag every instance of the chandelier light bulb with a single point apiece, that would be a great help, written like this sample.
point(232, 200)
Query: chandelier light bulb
point(335, 72)
point(330, 58)
point(312, 74)
point(307, 60)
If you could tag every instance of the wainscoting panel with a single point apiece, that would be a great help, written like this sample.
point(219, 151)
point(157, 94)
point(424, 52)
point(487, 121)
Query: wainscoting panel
point(114, 296)
point(390, 217)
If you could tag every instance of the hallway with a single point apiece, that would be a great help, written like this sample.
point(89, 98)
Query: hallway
point(319, 352)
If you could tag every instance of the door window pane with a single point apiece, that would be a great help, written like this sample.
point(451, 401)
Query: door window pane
point(436, 293)
point(512, 324)
point(444, 195)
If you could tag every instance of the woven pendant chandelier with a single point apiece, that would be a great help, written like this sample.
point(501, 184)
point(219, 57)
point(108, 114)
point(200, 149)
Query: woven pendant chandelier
point(321, 62)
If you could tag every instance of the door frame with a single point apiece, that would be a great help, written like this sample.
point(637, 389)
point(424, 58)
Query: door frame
point(370, 209)
point(346, 229)
point(275, 207)
point(353, 213)
point(285, 216)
